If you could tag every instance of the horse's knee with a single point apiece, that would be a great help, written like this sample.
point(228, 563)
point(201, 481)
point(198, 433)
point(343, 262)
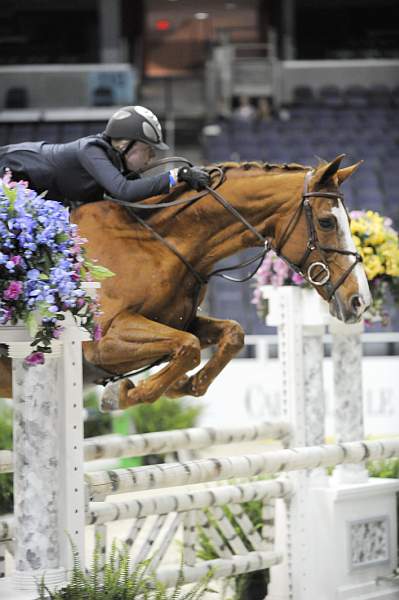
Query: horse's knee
point(189, 348)
point(234, 336)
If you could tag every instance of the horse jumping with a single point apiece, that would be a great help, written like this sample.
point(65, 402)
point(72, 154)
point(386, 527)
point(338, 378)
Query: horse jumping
point(150, 306)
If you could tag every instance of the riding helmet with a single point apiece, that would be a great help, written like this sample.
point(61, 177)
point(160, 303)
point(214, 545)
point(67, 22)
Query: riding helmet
point(136, 123)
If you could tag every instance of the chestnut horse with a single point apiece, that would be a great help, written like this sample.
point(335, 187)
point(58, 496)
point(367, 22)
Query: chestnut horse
point(149, 307)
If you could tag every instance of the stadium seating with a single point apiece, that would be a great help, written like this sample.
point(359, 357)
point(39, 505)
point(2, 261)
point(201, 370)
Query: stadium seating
point(361, 122)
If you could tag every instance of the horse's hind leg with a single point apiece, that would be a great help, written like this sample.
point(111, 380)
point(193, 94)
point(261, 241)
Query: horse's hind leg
point(228, 336)
point(133, 341)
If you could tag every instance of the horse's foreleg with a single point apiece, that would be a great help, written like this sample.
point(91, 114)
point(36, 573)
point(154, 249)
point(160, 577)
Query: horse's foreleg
point(229, 338)
point(5, 377)
point(134, 341)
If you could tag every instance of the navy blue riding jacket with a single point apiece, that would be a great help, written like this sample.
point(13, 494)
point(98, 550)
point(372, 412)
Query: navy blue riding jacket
point(79, 171)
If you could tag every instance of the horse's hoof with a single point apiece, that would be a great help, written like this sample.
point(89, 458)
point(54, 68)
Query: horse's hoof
point(125, 386)
point(114, 395)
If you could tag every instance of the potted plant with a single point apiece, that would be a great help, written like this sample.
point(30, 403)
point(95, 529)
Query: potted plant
point(43, 268)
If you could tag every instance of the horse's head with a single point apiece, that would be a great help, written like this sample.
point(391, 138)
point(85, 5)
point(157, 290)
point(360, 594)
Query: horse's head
point(316, 240)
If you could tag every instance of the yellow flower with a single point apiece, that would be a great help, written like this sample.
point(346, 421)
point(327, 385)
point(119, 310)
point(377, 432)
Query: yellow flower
point(377, 243)
point(373, 266)
point(358, 227)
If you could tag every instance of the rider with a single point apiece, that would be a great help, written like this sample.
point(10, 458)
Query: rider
point(82, 170)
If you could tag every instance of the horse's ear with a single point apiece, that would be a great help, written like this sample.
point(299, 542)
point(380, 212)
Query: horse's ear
point(326, 172)
point(347, 172)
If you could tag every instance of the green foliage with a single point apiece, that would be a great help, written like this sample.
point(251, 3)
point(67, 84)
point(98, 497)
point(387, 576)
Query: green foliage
point(97, 423)
point(384, 468)
point(5, 426)
point(165, 414)
point(6, 484)
point(116, 581)
point(241, 583)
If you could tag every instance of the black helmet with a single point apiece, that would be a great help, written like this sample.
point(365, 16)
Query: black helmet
point(136, 123)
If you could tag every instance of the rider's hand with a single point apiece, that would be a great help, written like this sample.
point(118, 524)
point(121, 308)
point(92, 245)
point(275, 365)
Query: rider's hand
point(195, 177)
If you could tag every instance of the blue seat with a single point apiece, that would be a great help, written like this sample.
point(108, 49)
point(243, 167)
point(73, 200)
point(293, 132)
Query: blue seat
point(4, 134)
point(220, 154)
point(379, 95)
point(356, 96)
point(49, 132)
point(72, 131)
point(331, 95)
point(304, 95)
point(21, 132)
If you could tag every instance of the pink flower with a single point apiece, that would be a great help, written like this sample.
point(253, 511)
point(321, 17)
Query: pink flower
point(356, 214)
point(13, 291)
point(297, 279)
point(36, 358)
point(97, 332)
point(16, 260)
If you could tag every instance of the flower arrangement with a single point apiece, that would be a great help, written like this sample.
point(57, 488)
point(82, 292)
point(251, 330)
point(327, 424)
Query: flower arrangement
point(378, 244)
point(42, 268)
point(276, 272)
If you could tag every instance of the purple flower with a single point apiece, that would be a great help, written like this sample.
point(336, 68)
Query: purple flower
point(36, 358)
point(97, 332)
point(13, 291)
point(16, 260)
point(5, 315)
point(57, 332)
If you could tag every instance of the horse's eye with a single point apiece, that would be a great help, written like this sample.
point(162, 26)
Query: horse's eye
point(328, 223)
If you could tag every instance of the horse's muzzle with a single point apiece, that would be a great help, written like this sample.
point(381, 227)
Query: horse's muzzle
point(349, 312)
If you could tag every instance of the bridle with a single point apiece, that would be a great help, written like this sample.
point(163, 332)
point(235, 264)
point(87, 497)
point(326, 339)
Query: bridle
point(317, 273)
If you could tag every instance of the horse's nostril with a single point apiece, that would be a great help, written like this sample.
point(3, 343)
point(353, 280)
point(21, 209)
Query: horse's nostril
point(356, 302)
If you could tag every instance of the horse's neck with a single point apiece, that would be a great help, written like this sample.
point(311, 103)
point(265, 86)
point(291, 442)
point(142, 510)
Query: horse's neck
point(207, 232)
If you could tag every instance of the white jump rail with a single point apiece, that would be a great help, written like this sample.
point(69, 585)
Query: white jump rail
point(162, 442)
point(105, 483)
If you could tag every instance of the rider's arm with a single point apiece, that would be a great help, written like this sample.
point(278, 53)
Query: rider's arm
point(96, 162)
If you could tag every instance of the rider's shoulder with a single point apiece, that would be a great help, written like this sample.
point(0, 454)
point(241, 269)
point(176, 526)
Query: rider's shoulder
point(98, 140)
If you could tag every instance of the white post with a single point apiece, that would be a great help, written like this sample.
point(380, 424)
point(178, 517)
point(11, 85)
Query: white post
point(48, 457)
point(339, 536)
point(300, 317)
point(348, 393)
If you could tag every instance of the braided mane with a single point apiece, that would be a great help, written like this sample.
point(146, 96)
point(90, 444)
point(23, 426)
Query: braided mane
point(246, 166)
